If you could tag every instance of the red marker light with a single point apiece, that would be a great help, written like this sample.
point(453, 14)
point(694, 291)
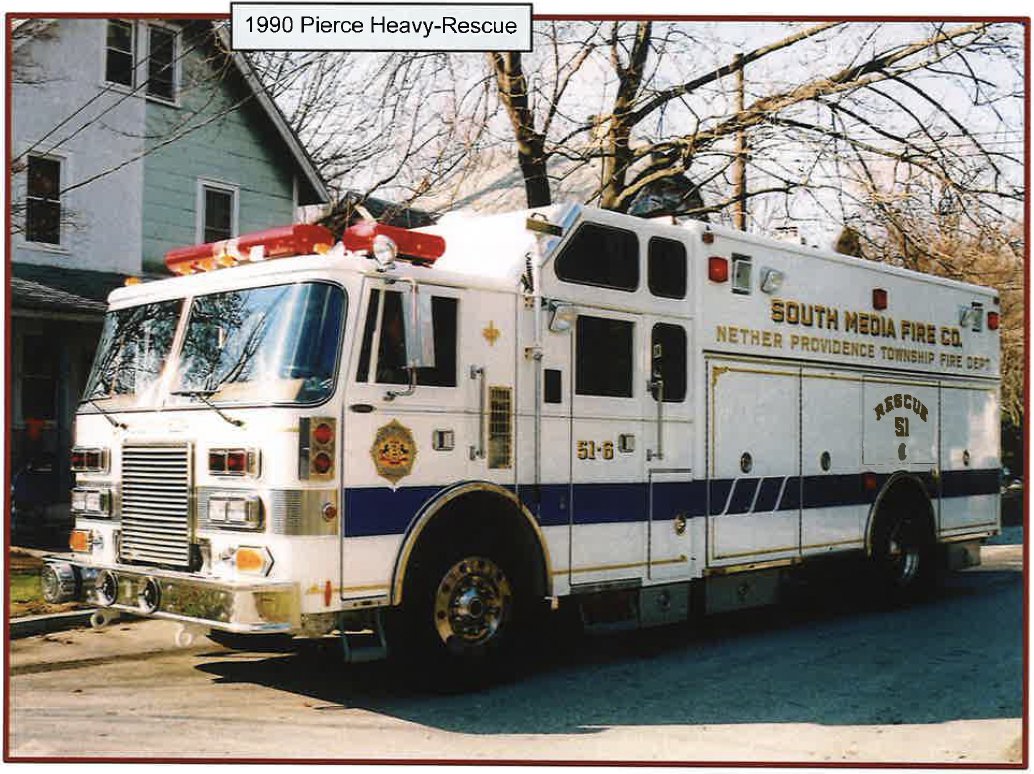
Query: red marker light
point(993, 320)
point(237, 462)
point(321, 462)
point(870, 482)
point(717, 269)
point(216, 462)
point(323, 434)
point(879, 298)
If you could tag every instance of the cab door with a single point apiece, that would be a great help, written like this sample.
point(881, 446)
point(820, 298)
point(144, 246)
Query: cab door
point(667, 433)
point(400, 445)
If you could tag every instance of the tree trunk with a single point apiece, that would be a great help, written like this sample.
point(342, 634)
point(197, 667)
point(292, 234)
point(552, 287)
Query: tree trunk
point(531, 144)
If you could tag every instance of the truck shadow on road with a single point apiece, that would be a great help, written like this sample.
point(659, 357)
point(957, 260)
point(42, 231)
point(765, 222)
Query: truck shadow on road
point(825, 658)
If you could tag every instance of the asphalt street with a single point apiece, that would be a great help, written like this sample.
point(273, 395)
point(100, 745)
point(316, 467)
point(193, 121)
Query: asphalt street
point(824, 680)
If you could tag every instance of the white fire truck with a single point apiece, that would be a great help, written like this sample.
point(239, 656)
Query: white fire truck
point(433, 435)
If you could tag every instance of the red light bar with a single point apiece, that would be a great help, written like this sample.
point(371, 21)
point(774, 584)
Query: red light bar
point(411, 244)
point(299, 239)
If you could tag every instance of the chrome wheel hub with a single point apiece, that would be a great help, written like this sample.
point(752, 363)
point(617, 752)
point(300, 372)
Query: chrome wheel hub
point(904, 560)
point(472, 602)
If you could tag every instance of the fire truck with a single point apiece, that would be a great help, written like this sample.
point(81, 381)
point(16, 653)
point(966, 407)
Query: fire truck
point(423, 441)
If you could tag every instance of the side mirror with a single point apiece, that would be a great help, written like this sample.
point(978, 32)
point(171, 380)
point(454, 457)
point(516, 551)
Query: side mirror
point(418, 322)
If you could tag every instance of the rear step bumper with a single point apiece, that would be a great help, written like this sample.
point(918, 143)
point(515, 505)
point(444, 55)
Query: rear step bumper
point(252, 607)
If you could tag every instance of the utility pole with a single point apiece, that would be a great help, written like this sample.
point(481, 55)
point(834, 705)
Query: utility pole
point(740, 170)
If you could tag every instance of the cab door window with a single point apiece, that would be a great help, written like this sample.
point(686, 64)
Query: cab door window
point(603, 357)
point(668, 347)
point(391, 343)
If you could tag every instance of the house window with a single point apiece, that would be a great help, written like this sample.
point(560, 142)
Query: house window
point(43, 201)
point(603, 357)
point(118, 67)
point(217, 212)
point(161, 63)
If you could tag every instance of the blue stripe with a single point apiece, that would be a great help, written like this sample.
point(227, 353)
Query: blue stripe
point(966, 483)
point(830, 491)
point(791, 499)
point(767, 496)
point(382, 511)
point(743, 495)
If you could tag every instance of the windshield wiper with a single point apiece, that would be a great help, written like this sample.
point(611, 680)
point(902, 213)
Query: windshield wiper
point(203, 396)
point(106, 415)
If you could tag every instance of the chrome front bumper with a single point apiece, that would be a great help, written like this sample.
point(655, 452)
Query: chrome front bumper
point(254, 607)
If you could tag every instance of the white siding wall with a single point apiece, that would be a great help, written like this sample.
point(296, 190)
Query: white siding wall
point(105, 229)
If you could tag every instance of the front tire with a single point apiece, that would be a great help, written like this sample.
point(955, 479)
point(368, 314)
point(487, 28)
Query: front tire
point(465, 609)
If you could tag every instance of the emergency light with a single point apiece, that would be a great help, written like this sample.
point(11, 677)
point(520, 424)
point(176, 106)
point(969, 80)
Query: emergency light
point(424, 248)
point(282, 242)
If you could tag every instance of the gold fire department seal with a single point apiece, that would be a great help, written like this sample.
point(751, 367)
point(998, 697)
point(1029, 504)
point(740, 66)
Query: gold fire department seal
point(393, 451)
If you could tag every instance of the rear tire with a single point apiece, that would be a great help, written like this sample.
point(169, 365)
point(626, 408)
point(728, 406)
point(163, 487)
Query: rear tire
point(904, 555)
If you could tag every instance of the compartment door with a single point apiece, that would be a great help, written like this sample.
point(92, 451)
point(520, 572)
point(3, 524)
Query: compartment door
point(753, 462)
point(969, 459)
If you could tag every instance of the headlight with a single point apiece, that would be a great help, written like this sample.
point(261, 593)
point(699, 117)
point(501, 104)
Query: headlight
point(92, 502)
point(235, 511)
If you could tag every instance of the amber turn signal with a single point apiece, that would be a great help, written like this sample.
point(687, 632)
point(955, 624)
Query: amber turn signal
point(79, 541)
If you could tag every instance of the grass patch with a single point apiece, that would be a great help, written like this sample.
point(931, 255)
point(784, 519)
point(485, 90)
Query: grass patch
point(26, 595)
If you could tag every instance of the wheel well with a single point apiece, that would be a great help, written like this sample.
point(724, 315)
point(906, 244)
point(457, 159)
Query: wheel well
point(901, 492)
point(483, 511)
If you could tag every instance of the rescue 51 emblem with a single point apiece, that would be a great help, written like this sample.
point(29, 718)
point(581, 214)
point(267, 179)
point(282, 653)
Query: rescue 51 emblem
point(393, 451)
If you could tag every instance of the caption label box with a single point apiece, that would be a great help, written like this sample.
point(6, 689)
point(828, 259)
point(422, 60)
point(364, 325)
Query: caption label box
point(381, 27)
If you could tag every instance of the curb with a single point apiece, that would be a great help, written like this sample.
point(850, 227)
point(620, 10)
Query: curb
point(53, 622)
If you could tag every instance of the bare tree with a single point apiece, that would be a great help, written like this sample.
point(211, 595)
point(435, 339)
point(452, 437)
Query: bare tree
point(817, 93)
point(399, 121)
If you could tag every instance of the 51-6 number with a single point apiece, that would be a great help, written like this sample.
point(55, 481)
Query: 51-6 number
point(587, 450)
point(270, 23)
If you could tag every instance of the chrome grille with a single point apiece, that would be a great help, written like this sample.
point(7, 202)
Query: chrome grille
point(156, 503)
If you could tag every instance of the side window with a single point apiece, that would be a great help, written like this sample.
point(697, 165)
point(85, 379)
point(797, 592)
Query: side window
point(603, 357)
point(217, 211)
point(601, 256)
point(119, 54)
point(161, 63)
point(671, 365)
point(666, 268)
point(391, 349)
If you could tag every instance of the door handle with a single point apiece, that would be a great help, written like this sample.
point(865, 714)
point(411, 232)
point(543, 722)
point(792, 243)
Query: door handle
point(478, 452)
point(656, 388)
